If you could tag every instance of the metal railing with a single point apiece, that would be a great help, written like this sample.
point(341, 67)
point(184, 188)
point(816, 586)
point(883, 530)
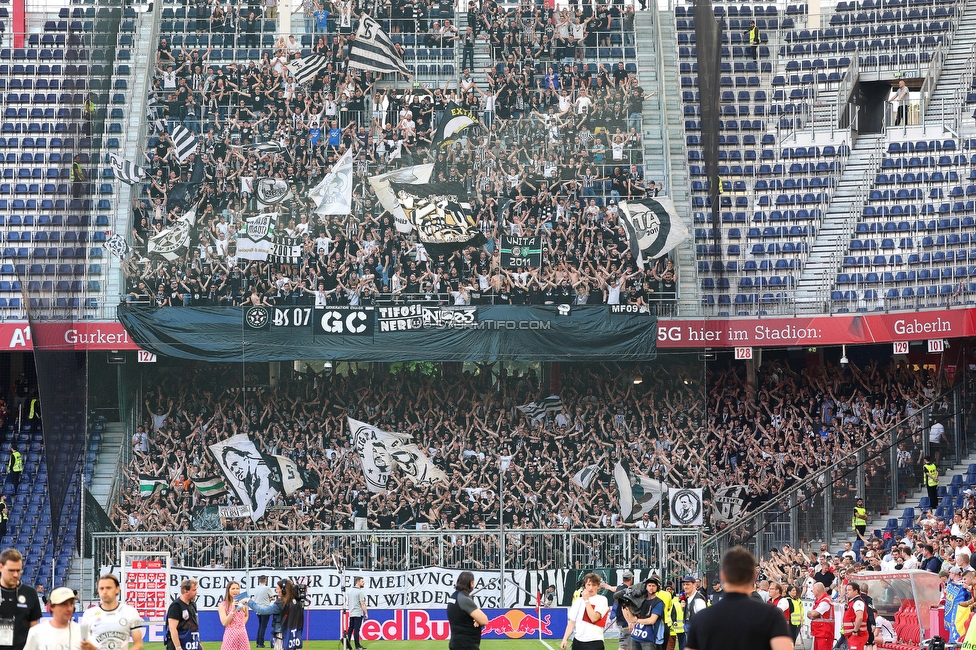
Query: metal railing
point(672, 552)
point(819, 507)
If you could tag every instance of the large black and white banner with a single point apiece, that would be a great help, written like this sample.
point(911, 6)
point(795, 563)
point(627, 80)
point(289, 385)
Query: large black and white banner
point(381, 451)
point(172, 243)
point(521, 252)
point(414, 175)
point(686, 506)
point(728, 503)
point(256, 236)
point(271, 191)
point(246, 472)
point(285, 250)
point(410, 588)
point(442, 215)
point(653, 226)
point(373, 50)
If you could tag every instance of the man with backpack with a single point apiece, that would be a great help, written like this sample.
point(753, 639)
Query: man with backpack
point(691, 601)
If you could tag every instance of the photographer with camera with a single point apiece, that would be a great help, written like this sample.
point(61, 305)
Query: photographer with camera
point(622, 622)
point(644, 611)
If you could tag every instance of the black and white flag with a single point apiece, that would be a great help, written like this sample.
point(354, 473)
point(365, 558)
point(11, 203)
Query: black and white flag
point(305, 69)
point(638, 494)
point(441, 214)
point(686, 506)
point(172, 243)
point(126, 171)
point(380, 451)
point(653, 226)
point(246, 472)
point(184, 141)
point(117, 245)
point(536, 410)
point(454, 123)
point(285, 250)
point(333, 195)
point(728, 503)
point(373, 50)
point(585, 477)
point(387, 197)
point(256, 236)
point(271, 191)
point(263, 148)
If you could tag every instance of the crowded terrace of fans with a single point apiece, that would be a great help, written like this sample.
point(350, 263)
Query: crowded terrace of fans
point(795, 421)
point(559, 146)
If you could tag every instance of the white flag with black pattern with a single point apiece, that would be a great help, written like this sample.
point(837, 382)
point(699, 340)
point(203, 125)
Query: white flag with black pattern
point(271, 191)
point(125, 171)
point(117, 246)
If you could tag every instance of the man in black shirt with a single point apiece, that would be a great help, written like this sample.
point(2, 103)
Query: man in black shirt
point(182, 624)
point(20, 608)
point(464, 615)
point(738, 621)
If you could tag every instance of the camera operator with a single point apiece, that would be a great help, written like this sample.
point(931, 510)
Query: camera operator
point(622, 622)
point(648, 631)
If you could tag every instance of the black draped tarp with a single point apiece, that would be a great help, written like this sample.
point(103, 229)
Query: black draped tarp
point(388, 334)
point(708, 40)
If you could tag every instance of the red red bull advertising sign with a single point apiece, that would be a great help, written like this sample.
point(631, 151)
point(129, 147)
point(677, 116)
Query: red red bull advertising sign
point(432, 625)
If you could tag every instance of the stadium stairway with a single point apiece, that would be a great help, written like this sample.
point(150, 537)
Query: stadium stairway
point(482, 54)
point(959, 475)
point(956, 76)
point(826, 253)
point(133, 137)
point(102, 480)
point(663, 130)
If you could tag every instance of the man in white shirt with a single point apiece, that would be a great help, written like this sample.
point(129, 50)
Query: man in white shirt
point(59, 631)
point(110, 623)
point(587, 616)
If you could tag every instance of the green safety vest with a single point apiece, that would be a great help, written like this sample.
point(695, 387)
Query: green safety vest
point(931, 474)
point(860, 517)
point(16, 462)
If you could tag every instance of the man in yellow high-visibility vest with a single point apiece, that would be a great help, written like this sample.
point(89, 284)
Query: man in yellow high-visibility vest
point(930, 474)
point(15, 466)
point(859, 521)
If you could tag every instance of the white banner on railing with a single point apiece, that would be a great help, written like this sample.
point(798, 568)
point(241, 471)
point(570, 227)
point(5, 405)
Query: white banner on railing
point(410, 589)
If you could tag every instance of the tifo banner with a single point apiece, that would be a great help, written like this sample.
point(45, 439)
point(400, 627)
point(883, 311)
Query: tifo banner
point(413, 588)
point(255, 478)
point(541, 332)
point(379, 451)
point(521, 252)
point(729, 502)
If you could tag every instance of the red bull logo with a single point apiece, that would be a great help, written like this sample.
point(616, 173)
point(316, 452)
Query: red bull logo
point(515, 624)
